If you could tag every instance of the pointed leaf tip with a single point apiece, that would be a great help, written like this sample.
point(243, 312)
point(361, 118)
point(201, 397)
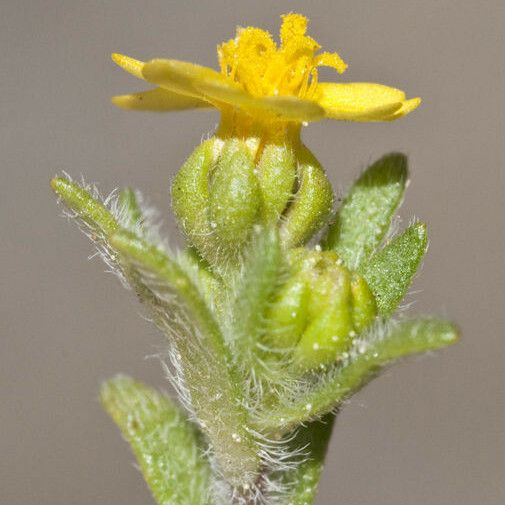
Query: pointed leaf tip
point(365, 215)
point(86, 206)
point(390, 272)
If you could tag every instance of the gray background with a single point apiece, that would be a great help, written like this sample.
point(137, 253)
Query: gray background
point(431, 430)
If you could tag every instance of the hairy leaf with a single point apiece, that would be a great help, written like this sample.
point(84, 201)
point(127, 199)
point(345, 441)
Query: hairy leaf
point(180, 311)
point(210, 285)
point(99, 221)
point(368, 357)
point(165, 443)
point(304, 479)
point(389, 273)
point(86, 207)
point(366, 212)
point(257, 282)
point(214, 392)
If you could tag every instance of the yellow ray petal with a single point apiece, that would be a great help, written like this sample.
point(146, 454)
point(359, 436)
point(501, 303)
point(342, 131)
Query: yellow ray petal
point(282, 107)
point(128, 64)
point(179, 76)
point(376, 114)
point(355, 97)
point(158, 99)
point(407, 107)
point(350, 101)
point(289, 108)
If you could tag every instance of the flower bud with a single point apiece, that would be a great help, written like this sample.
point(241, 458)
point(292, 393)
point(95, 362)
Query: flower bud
point(329, 330)
point(319, 309)
point(363, 301)
point(288, 314)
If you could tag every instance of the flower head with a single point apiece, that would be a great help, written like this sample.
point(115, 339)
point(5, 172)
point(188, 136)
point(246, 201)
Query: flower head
point(265, 82)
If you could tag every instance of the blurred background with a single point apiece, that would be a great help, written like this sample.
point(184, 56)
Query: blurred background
point(431, 430)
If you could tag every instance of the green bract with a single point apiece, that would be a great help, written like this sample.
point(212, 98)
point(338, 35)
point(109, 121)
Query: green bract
point(268, 330)
point(227, 186)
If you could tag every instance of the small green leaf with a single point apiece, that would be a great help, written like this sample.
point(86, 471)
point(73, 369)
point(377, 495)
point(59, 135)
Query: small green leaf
point(258, 280)
point(215, 395)
point(304, 479)
point(312, 204)
point(402, 339)
point(209, 284)
point(98, 224)
point(166, 445)
point(90, 210)
point(389, 273)
point(366, 212)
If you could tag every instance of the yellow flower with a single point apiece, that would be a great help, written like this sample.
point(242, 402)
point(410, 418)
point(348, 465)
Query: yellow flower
point(264, 82)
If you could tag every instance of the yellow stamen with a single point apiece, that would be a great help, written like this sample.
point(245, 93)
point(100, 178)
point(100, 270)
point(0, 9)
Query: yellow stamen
point(254, 62)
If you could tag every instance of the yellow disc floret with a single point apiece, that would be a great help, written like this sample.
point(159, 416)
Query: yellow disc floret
point(253, 61)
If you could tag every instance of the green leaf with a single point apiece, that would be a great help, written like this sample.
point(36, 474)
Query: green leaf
point(98, 223)
point(87, 208)
point(181, 312)
point(214, 391)
point(166, 445)
point(389, 273)
point(304, 479)
point(209, 284)
point(366, 212)
point(258, 281)
point(401, 339)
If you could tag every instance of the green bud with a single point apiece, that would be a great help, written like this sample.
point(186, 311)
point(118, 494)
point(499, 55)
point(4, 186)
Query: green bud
point(329, 333)
point(234, 195)
point(364, 307)
point(287, 317)
point(319, 309)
